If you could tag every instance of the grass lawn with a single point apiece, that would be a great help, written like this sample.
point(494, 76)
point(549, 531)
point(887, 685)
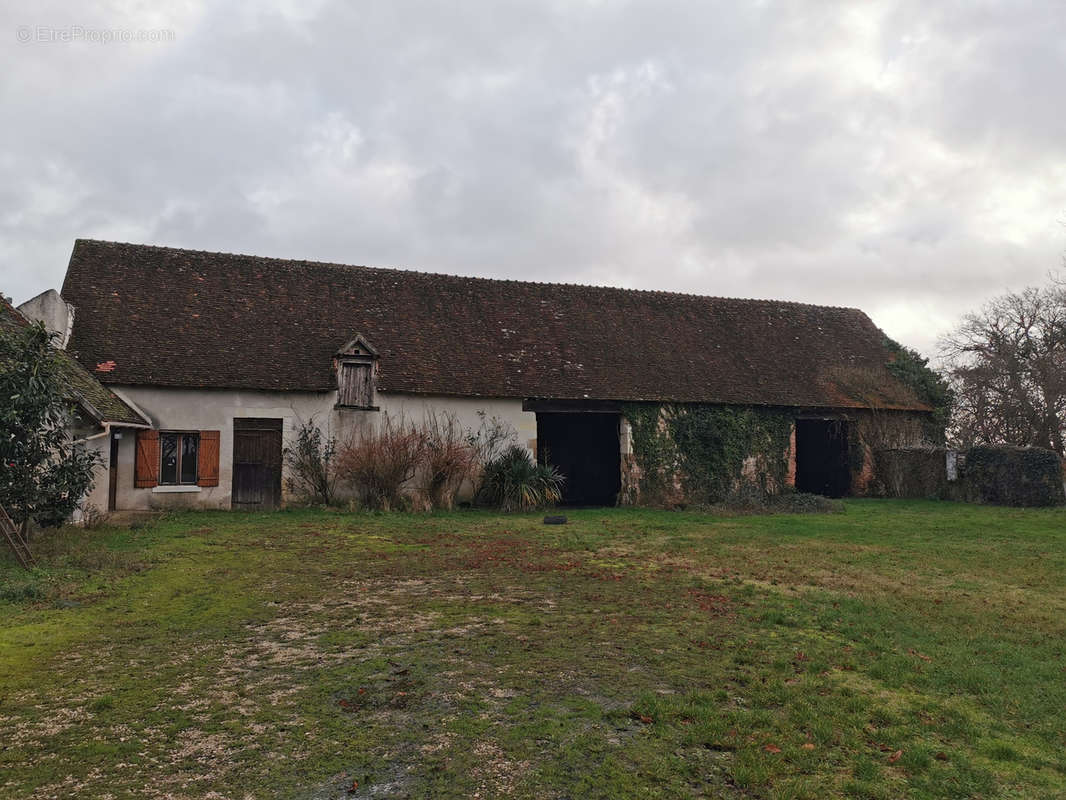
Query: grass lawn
point(894, 650)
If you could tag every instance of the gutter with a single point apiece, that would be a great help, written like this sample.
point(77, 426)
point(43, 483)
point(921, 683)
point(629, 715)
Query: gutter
point(109, 425)
point(122, 396)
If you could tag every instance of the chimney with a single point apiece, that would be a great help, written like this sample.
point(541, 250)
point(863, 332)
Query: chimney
point(55, 312)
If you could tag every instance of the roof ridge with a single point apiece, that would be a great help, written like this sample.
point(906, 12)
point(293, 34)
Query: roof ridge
point(453, 334)
point(429, 274)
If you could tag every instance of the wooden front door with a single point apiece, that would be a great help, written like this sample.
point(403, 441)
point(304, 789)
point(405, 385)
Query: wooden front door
point(256, 463)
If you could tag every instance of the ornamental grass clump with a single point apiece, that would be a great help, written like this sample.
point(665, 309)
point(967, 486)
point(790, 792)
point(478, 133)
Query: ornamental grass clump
point(514, 482)
point(449, 458)
point(377, 462)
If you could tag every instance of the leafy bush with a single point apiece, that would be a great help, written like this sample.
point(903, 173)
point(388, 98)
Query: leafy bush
point(377, 462)
point(514, 482)
point(912, 369)
point(1013, 476)
point(310, 462)
point(450, 457)
point(44, 474)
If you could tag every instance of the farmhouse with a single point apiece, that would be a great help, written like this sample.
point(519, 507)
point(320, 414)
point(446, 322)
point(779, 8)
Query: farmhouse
point(636, 396)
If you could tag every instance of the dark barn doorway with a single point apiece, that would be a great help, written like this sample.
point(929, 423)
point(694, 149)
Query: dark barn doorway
point(256, 463)
point(822, 457)
point(584, 448)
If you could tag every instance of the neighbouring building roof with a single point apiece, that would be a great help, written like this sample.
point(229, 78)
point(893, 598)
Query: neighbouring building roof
point(170, 317)
point(99, 402)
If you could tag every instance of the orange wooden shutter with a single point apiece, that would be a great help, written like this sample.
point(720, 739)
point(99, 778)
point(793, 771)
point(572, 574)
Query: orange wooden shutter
point(146, 467)
point(208, 470)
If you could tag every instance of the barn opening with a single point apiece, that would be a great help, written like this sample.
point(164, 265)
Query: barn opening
point(822, 457)
point(584, 448)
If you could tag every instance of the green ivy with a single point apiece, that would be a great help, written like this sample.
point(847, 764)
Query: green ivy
point(655, 454)
point(1013, 476)
point(707, 445)
point(913, 370)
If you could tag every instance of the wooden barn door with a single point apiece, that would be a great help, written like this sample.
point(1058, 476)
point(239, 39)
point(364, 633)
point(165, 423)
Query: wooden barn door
point(256, 463)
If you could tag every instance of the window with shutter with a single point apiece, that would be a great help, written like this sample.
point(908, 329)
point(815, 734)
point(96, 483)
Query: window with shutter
point(179, 458)
point(356, 366)
point(209, 441)
point(354, 385)
point(146, 464)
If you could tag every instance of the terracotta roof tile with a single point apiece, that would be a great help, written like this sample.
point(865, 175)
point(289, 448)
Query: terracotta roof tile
point(173, 317)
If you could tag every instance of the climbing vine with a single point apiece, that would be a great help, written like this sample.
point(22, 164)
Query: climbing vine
point(704, 448)
point(913, 370)
point(655, 454)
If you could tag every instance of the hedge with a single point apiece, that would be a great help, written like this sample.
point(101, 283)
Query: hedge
point(1013, 476)
point(912, 472)
point(1008, 476)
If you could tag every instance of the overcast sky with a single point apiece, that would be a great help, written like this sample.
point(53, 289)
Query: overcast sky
point(907, 158)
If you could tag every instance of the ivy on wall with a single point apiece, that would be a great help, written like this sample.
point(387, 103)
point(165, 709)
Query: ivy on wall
point(1013, 476)
point(913, 370)
point(703, 448)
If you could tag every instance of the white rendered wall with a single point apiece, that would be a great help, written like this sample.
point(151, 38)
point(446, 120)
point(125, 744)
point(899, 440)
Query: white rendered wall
point(97, 496)
point(215, 409)
point(51, 309)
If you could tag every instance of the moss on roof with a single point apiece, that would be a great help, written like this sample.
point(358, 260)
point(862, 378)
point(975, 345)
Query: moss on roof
point(167, 317)
point(97, 400)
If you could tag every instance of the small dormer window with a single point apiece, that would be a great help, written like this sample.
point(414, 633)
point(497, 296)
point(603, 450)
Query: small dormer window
point(356, 366)
point(355, 384)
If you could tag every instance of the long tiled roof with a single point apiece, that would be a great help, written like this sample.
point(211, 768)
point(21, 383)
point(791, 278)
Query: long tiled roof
point(170, 317)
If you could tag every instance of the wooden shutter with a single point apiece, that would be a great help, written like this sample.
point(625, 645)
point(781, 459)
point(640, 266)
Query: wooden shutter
point(146, 466)
point(208, 468)
point(355, 386)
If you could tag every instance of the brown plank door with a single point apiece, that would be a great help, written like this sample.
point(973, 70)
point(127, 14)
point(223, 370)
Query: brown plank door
point(256, 463)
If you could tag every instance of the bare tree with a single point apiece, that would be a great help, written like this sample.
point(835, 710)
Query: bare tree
point(1007, 364)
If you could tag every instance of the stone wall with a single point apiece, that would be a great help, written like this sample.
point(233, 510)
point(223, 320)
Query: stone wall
point(757, 450)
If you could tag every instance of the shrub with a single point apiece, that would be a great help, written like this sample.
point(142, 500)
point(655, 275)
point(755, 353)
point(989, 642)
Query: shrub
point(44, 474)
point(492, 437)
point(912, 369)
point(92, 518)
point(915, 472)
point(513, 482)
point(310, 461)
point(1013, 476)
point(377, 462)
point(449, 455)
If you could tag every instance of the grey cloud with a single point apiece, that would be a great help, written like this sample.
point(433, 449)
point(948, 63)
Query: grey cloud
point(903, 157)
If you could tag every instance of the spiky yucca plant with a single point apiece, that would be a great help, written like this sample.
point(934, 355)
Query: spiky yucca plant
point(514, 482)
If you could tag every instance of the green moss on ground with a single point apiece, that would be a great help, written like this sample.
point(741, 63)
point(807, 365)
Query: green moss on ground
point(897, 649)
